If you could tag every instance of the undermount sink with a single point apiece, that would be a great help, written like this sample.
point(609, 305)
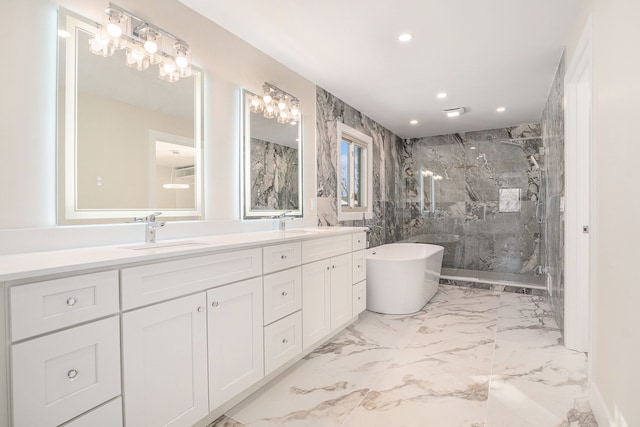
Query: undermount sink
point(168, 246)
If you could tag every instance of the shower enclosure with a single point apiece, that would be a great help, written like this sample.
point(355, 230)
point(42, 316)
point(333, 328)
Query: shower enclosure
point(480, 195)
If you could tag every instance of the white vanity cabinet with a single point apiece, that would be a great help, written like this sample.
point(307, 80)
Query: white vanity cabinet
point(235, 339)
point(359, 273)
point(327, 294)
point(172, 340)
point(164, 355)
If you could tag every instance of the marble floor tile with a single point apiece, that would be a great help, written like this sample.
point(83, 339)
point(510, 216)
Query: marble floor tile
point(470, 357)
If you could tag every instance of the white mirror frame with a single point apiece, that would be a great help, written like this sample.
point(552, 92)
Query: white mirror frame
point(245, 136)
point(71, 212)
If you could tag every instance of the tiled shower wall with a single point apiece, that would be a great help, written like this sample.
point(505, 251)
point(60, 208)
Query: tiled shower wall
point(468, 221)
point(329, 111)
point(553, 238)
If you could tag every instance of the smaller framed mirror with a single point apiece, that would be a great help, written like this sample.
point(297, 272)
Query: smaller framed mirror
point(272, 164)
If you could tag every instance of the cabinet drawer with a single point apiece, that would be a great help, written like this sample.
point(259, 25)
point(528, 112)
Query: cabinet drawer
point(157, 282)
point(359, 241)
point(282, 341)
point(107, 415)
point(281, 257)
point(282, 294)
point(317, 249)
point(359, 266)
point(54, 304)
point(359, 297)
point(60, 376)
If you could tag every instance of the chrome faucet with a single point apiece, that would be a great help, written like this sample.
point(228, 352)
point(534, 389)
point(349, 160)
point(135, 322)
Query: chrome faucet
point(151, 224)
point(283, 220)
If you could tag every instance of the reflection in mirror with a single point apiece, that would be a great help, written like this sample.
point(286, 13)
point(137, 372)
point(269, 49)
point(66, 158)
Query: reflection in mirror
point(429, 189)
point(272, 165)
point(129, 142)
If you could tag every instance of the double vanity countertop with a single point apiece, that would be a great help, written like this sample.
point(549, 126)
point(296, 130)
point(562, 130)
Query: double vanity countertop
point(38, 264)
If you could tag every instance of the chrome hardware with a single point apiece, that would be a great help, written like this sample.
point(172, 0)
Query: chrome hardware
point(327, 268)
point(284, 293)
point(358, 266)
point(72, 374)
point(283, 218)
point(283, 257)
point(333, 266)
point(284, 340)
point(359, 298)
point(215, 304)
point(151, 224)
point(585, 229)
point(71, 301)
point(200, 309)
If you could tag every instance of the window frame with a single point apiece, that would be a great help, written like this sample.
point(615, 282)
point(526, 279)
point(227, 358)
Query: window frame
point(364, 141)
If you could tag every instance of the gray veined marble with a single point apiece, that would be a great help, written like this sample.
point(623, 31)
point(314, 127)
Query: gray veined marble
point(274, 176)
point(471, 357)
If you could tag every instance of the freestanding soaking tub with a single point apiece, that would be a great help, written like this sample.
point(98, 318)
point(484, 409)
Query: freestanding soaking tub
point(402, 277)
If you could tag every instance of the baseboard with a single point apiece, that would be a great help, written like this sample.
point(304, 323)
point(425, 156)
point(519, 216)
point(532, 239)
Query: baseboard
point(599, 408)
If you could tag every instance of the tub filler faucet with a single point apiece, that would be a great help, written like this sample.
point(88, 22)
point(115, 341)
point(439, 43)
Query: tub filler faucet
point(151, 225)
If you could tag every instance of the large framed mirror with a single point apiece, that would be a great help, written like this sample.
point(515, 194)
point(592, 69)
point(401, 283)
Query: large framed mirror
point(129, 143)
point(272, 165)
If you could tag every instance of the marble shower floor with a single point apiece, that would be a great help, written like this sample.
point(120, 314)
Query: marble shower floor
point(472, 357)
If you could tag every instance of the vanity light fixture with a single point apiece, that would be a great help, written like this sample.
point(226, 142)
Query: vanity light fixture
point(144, 43)
point(277, 104)
point(454, 112)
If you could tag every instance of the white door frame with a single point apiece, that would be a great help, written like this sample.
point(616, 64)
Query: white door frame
point(578, 195)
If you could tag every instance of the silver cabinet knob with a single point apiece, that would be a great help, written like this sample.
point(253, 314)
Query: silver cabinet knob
point(72, 374)
point(327, 268)
point(284, 293)
point(283, 257)
point(333, 266)
point(284, 340)
point(71, 301)
point(200, 309)
point(358, 265)
point(359, 298)
point(215, 304)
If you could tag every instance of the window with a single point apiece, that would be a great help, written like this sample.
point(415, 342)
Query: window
point(354, 174)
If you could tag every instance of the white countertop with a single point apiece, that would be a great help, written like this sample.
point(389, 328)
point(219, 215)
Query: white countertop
point(35, 264)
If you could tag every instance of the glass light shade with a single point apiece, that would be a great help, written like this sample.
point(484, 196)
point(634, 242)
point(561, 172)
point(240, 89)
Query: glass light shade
point(114, 30)
point(269, 112)
point(151, 46)
point(282, 104)
point(295, 111)
point(168, 71)
point(136, 58)
point(256, 105)
point(101, 45)
point(267, 99)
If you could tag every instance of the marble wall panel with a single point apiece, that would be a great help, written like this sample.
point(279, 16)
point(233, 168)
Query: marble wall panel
point(467, 221)
point(552, 125)
point(329, 111)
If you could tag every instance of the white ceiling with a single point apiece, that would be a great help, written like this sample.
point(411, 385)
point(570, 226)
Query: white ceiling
point(483, 53)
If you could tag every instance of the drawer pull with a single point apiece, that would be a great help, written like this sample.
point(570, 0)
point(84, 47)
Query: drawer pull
point(283, 257)
point(358, 240)
point(358, 265)
point(284, 293)
point(333, 266)
point(200, 309)
point(72, 374)
point(215, 304)
point(327, 268)
point(359, 298)
point(71, 301)
point(285, 341)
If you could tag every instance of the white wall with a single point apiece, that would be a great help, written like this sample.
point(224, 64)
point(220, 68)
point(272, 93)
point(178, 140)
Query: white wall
point(616, 339)
point(28, 124)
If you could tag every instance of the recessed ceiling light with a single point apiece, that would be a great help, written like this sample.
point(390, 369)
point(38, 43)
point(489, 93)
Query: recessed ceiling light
point(414, 122)
point(500, 109)
point(442, 95)
point(405, 37)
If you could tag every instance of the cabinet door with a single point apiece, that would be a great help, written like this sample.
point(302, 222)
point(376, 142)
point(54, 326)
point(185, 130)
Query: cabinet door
point(316, 302)
point(235, 339)
point(359, 266)
point(165, 363)
point(341, 290)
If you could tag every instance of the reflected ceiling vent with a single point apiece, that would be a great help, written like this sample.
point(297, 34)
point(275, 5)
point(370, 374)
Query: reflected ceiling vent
point(454, 112)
